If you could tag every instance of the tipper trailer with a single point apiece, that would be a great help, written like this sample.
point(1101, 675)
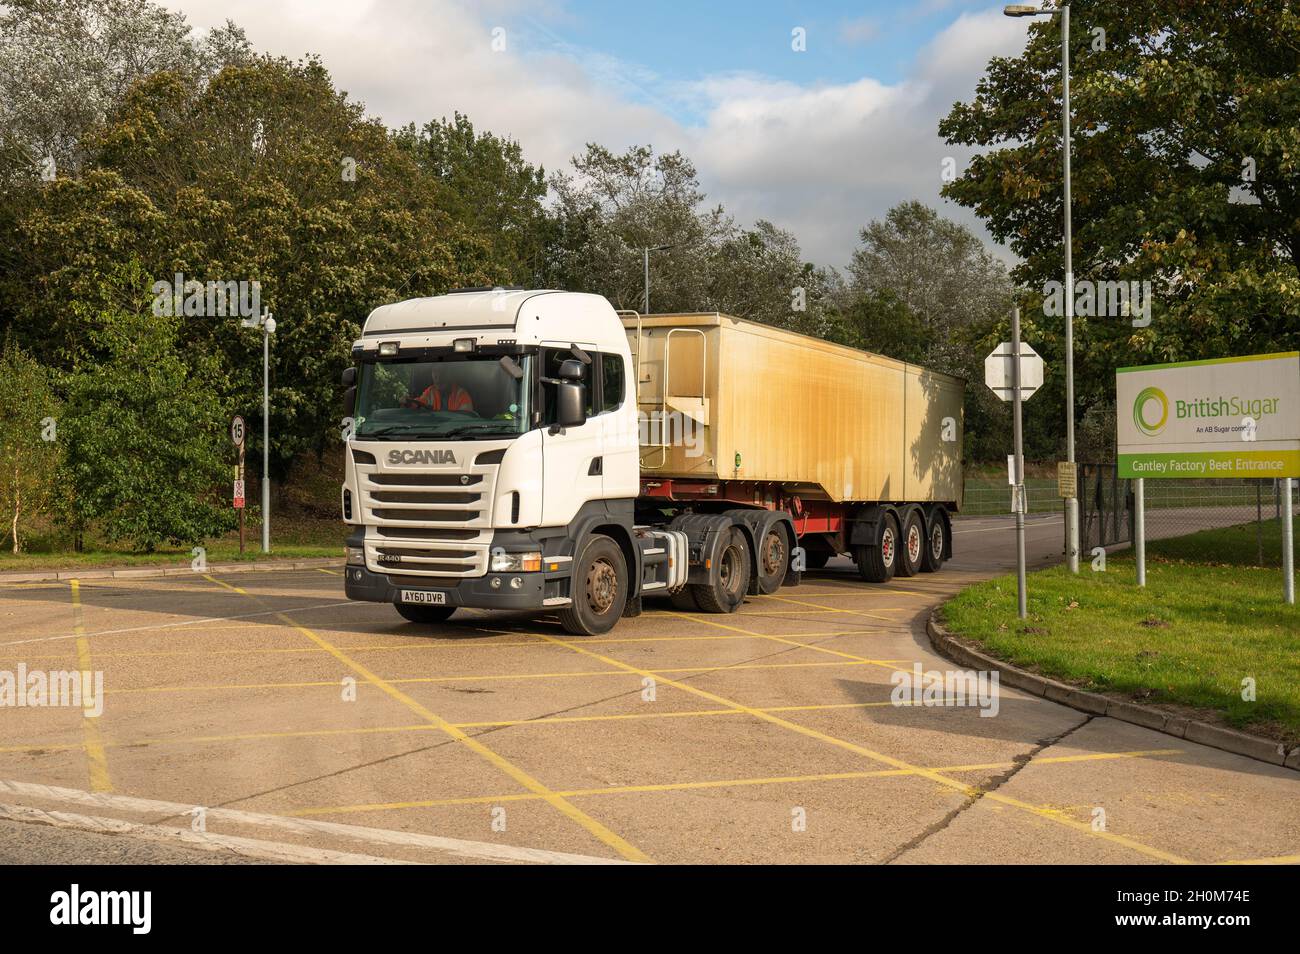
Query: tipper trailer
point(537, 450)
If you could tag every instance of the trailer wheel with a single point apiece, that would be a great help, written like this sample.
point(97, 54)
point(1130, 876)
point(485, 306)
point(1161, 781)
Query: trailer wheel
point(599, 589)
point(728, 579)
point(876, 563)
point(424, 614)
point(773, 558)
point(911, 545)
point(936, 543)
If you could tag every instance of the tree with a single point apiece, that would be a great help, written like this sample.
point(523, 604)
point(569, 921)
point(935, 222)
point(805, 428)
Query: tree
point(265, 174)
point(65, 64)
point(28, 434)
point(489, 188)
point(613, 206)
point(146, 458)
point(925, 289)
point(760, 274)
point(1186, 174)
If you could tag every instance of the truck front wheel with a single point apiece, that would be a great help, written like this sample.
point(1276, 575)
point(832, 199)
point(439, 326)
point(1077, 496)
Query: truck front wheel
point(599, 589)
point(728, 578)
point(876, 563)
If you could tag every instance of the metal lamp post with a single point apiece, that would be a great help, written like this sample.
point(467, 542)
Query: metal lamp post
point(1071, 503)
point(267, 324)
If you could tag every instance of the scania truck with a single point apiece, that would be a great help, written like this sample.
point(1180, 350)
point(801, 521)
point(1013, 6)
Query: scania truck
point(540, 451)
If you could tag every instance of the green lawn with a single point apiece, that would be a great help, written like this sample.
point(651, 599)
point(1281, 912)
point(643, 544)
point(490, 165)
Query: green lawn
point(291, 538)
point(1208, 619)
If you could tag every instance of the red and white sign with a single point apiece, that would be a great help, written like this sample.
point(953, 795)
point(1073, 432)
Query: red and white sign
point(239, 495)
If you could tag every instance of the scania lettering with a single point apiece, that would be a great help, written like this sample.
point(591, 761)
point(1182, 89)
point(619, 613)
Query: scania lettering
point(539, 451)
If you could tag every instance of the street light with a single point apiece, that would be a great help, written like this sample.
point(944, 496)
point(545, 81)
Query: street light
point(1071, 503)
point(267, 324)
point(645, 302)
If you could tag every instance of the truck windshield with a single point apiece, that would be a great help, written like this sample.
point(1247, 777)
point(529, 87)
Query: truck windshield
point(470, 398)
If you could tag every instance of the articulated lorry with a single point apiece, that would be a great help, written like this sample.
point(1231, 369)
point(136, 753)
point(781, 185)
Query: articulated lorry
point(538, 450)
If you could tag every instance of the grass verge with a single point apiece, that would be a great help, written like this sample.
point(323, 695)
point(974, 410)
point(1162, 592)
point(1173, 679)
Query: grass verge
point(291, 539)
point(1208, 620)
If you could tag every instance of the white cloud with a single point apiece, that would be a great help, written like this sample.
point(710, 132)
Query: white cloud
point(820, 161)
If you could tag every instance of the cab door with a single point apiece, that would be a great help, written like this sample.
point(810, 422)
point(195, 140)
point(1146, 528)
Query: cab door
point(572, 461)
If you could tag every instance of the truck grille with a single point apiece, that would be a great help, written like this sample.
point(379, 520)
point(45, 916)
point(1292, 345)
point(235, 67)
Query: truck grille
point(435, 524)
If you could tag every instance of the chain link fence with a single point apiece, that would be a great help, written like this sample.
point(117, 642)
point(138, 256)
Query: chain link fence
point(1174, 508)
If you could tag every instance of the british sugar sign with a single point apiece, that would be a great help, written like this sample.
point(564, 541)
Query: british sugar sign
point(1227, 417)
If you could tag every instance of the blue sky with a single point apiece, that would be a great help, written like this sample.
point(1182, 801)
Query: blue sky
point(819, 142)
point(686, 42)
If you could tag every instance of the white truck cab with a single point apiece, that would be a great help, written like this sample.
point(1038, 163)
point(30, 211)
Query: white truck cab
point(494, 461)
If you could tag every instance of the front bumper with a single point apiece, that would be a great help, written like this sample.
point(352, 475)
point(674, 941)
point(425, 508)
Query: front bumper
point(361, 583)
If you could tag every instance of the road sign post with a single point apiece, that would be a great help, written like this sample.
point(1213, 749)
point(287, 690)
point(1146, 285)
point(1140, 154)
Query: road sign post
point(238, 432)
point(1014, 372)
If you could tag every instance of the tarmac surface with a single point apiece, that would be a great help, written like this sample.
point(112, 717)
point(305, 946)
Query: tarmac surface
point(260, 716)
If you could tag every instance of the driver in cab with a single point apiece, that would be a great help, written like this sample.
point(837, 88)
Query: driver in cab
point(435, 398)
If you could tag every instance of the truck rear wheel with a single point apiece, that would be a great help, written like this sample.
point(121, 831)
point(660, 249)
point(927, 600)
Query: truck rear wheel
point(598, 588)
point(936, 543)
point(728, 578)
point(424, 614)
point(876, 563)
point(911, 548)
point(773, 558)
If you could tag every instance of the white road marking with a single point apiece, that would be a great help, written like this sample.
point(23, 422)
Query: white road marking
point(307, 826)
point(277, 851)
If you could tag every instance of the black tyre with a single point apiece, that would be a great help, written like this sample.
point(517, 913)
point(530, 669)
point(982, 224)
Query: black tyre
point(423, 613)
point(773, 559)
point(876, 563)
point(911, 545)
point(599, 589)
point(937, 543)
point(729, 576)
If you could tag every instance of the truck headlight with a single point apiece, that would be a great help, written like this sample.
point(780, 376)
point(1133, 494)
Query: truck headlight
point(356, 556)
point(529, 561)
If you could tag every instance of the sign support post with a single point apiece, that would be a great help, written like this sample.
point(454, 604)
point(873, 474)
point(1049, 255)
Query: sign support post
point(1140, 529)
point(1288, 542)
point(238, 432)
point(1016, 402)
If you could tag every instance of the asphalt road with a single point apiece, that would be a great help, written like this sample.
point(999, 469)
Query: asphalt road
point(262, 717)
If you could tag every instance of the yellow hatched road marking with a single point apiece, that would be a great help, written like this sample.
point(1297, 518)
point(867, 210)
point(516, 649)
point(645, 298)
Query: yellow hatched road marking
point(968, 791)
point(603, 834)
point(711, 783)
point(92, 740)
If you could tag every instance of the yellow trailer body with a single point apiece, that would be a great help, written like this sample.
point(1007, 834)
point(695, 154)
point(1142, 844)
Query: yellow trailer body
point(721, 399)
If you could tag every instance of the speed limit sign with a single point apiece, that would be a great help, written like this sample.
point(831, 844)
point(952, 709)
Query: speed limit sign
point(237, 431)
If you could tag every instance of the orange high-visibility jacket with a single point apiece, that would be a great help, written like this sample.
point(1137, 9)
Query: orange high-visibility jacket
point(458, 399)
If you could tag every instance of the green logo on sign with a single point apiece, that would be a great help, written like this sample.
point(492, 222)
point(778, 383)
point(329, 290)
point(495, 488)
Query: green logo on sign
point(1143, 411)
